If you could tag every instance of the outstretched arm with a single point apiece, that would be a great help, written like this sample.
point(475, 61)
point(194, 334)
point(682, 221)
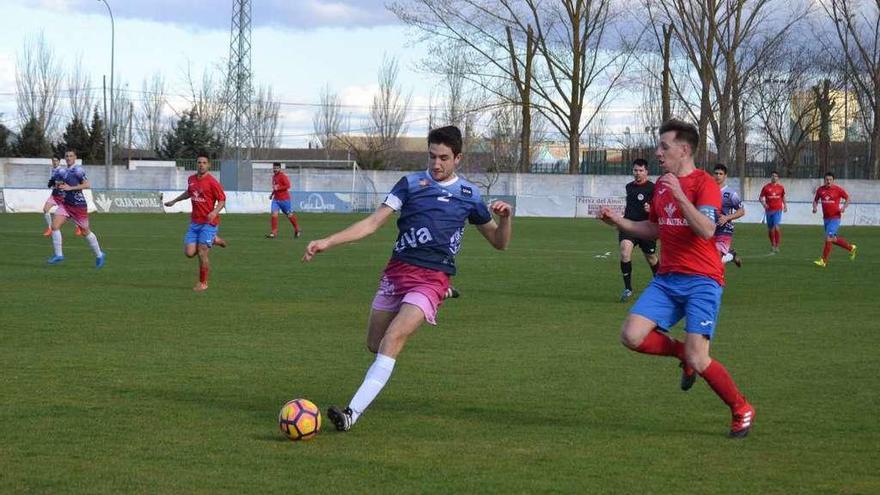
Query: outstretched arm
point(643, 230)
point(353, 232)
point(498, 234)
point(183, 195)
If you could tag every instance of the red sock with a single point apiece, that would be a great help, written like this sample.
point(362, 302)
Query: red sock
point(778, 234)
point(203, 274)
point(722, 383)
point(826, 250)
point(840, 241)
point(772, 235)
point(659, 344)
point(292, 219)
point(274, 224)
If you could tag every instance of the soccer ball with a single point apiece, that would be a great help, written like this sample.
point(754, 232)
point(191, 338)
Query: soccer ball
point(300, 419)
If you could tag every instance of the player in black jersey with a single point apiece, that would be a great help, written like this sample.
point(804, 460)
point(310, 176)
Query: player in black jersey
point(638, 200)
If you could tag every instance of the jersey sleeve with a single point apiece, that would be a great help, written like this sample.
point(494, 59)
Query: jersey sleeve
point(285, 182)
point(80, 174)
point(218, 190)
point(816, 196)
point(844, 194)
point(736, 201)
point(398, 195)
point(480, 214)
point(709, 195)
point(763, 193)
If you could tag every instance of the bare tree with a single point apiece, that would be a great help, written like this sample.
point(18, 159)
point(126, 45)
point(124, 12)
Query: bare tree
point(327, 120)
point(577, 74)
point(123, 118)
point(387, 120)
point(38, 78)
point(499, 48)
point(724, 42)
point(785, 107)
point(208, 98)
point(150, 118)
point(79, 89)
point(857, 32)
point(263, 127)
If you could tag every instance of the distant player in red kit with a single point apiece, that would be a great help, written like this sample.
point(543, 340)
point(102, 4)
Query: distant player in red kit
point(280, 197)
point(830, 194)
point(772, 197)
point(689, 282)
point(208, 198)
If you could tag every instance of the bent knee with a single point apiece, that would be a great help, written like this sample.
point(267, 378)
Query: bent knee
point(630, 339)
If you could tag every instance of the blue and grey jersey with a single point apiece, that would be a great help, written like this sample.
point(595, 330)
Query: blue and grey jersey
point(730, 202)
point(75, 176)
point(432, 219)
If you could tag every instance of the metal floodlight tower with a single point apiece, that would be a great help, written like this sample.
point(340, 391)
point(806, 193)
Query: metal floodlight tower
point(239, 89)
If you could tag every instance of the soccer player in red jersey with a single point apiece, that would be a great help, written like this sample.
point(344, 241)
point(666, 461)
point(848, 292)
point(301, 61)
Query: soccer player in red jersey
point(280, 197)
point(208, 198)
point(689, 281)
point(830, 194)
point(772, 197)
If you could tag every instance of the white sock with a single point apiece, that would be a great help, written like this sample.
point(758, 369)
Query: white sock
point(727, 258)
point(48, 219)
point(56, 242)
point(377, 377)
point(93, 241)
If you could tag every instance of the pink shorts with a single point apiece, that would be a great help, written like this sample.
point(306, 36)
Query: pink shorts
point(722, 243)
point(79, 214)
point(55, 200)
point(404, 283)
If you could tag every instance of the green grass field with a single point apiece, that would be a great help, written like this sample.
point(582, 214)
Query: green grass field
point(125, 381)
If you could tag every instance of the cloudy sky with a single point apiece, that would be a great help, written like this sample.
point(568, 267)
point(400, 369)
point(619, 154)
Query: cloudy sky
point(298, 46)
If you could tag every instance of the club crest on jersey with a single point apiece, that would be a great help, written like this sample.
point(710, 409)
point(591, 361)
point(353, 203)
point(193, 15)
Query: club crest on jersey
point(669, 209)
point(423, 182)
point(466, 191)
point(413, 238)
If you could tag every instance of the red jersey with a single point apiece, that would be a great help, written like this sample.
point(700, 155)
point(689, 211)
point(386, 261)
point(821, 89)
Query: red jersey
point(774, 195)
point(830, 197)
point(683, 251)
point(280, 186)
point(204, 192)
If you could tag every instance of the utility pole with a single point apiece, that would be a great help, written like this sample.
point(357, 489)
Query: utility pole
point(239, 77)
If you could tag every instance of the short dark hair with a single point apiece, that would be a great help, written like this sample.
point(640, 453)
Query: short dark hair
point(829, 174)
point(203, 155)
point(722, 167)
point(70, 150)
point(276, 164)
point(683, 132)
point(774, 172)
point(448, 135)
point(641, 162)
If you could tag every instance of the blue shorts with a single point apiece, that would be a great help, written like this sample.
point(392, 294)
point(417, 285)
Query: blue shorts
point(200, 233)
point(831, 227)
point(673, 296)
point(284, 206)
point(774, 218)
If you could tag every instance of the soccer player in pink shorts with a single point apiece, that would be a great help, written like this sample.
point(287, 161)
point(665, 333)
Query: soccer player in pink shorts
point(76, 209)
point(434, 206)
